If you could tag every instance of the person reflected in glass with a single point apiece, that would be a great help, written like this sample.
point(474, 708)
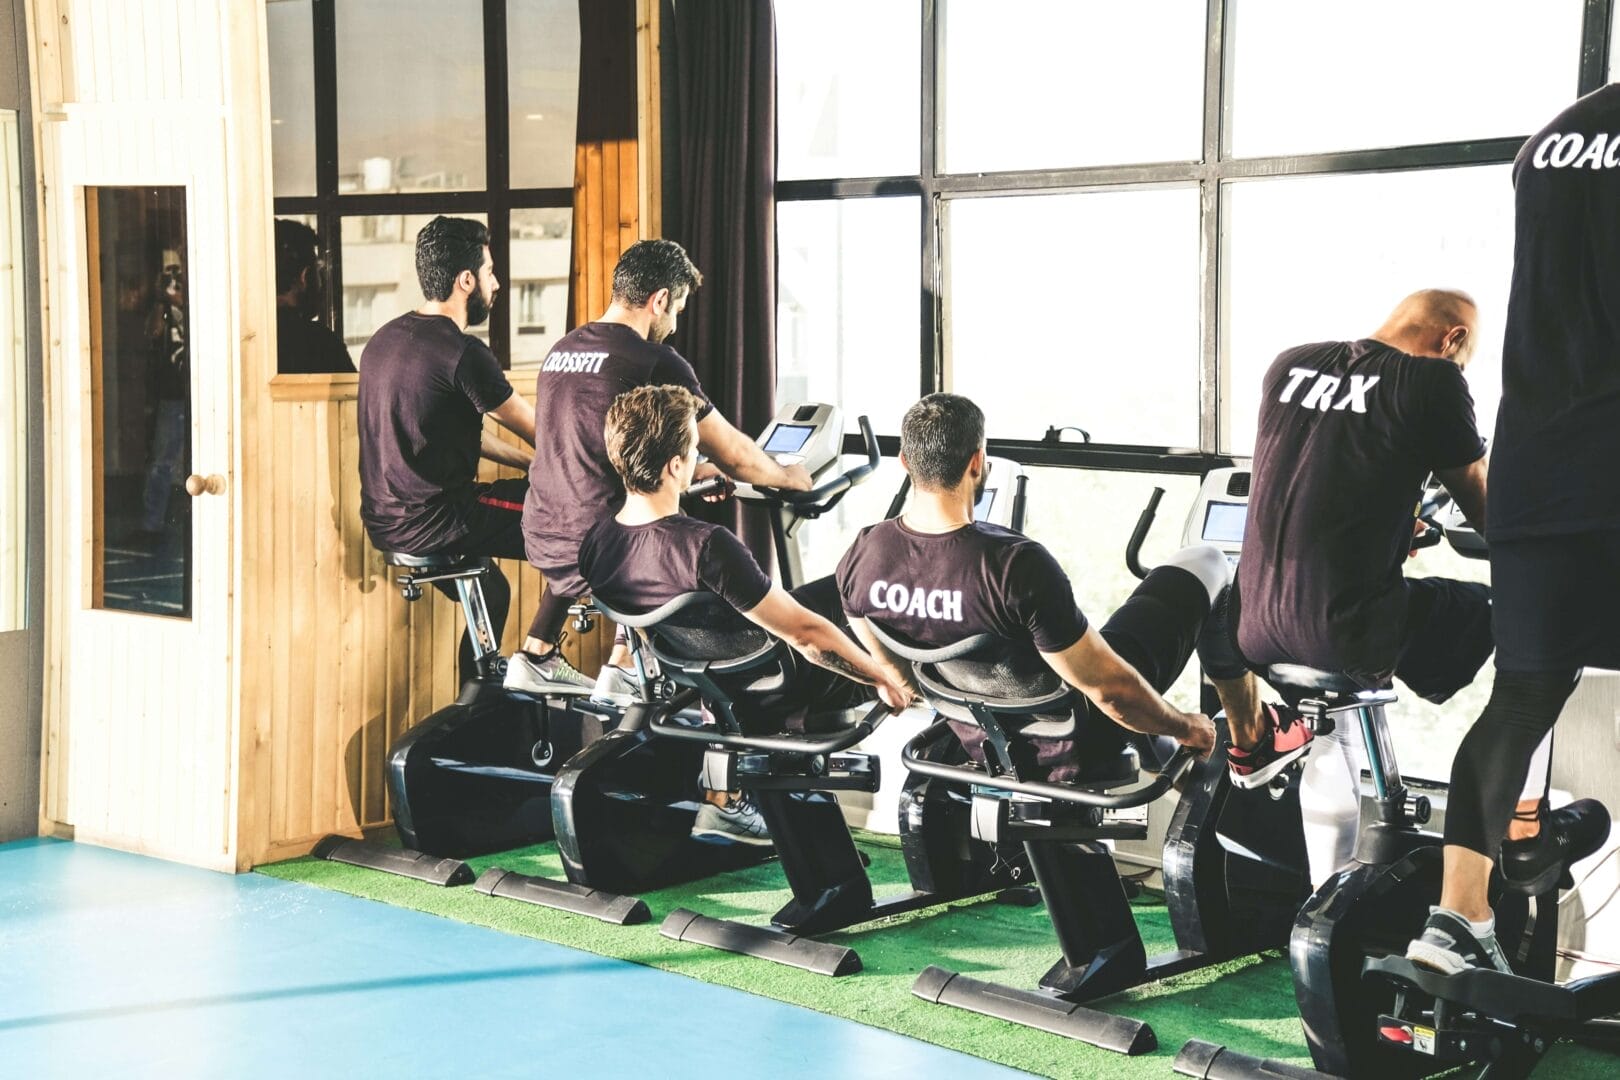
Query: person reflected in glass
point(169, 387)
point(304, 345)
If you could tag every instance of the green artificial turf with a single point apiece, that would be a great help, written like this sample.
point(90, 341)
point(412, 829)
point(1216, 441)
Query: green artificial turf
point(1245, 1004)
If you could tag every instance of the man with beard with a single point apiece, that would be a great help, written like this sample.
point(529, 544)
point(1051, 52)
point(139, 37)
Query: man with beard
point(425, 385)
point(303, 345)
point(572, 482)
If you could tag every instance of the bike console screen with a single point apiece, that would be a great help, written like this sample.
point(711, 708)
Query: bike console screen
point(788, 438)
point(1224, 521)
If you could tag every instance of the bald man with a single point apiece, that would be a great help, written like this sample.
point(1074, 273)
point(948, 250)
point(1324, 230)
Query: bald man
point(1348, 432)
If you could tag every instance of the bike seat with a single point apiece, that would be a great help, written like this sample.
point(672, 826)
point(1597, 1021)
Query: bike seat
point(1300, 677)
point(434, 562)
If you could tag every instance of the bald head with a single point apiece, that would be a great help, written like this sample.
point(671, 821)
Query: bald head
point(1433, 322)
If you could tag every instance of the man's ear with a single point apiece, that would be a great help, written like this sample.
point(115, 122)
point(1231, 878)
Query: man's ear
point(904, 464)
point(468, 280)
point(659, 301)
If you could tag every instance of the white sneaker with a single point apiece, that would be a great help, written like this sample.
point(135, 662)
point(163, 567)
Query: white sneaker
point(616, 686)
point(553, 675)
point(739, 821)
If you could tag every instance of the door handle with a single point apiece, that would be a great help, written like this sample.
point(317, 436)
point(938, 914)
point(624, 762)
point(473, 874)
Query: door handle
point(199, 485)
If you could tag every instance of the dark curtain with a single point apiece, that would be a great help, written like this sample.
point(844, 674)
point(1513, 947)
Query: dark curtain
point(719, 142)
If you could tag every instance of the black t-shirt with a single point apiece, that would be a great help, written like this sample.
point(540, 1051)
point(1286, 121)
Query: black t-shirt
point(935, 589)
point(572, 484)
point(1553, 466)
point(424, 387)
point(1348, 432)
point(636, 568)
point(306, 347)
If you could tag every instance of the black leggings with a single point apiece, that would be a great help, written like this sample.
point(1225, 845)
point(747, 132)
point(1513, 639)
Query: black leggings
point(1489, 772)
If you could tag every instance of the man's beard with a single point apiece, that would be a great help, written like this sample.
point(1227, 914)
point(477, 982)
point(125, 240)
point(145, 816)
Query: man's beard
point(660, 329)
point(477, 308)
point(978, 489)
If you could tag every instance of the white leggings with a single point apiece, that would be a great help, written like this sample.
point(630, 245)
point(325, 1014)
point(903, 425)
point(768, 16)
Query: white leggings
point(1330, 797)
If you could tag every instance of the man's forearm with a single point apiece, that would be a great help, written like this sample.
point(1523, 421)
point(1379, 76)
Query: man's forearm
point(503, 453)
point(826, 646)
point(1132, 703)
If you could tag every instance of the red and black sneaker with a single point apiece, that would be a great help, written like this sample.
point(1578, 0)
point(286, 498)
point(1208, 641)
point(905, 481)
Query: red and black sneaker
point(1287, 739)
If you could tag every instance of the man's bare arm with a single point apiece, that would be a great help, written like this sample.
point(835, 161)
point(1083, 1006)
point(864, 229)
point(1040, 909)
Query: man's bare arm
point(900, 671)
point(501, 452)
point(823, 644)
point(516, 415)
point(1091, 666)
point(1467, 486)
point(740, 458)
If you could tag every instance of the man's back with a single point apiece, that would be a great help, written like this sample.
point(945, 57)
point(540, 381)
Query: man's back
point(1347, 433)
point(1561, 352)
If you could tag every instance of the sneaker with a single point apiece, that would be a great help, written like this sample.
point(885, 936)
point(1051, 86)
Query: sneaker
point(1568, 834)
point(739, 820)
point(553, 675)
point(1288, 739)
point(1448, 945)
point(616, 686)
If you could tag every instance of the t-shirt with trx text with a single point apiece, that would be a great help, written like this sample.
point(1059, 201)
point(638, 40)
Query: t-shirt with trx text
point(1553, 465)
point(424, 387)
point(636, 568)
point(935, 589)
point(1348, 432)
point(572, 484)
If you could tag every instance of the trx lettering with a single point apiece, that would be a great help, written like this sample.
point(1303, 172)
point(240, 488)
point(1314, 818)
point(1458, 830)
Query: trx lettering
point(942, 604)
point(586, 362)
point(1320, 395)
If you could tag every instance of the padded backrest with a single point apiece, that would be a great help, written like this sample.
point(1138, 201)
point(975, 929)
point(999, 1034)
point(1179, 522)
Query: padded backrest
point(1008, 677)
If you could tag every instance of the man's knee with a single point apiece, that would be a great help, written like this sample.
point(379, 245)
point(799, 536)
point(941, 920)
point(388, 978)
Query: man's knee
point(1205, 563)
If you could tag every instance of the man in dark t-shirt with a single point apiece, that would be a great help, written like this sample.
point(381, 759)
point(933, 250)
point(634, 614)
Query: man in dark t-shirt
point(1553, 524)
point(572, 485)
point(934, 576)
point(425, 386)
point(303, 345)
point(648, 553)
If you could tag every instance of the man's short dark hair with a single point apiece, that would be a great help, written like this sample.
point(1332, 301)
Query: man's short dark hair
point(297, 249)
point(649, 265)
point(939, 436)
point(646, 427)
point(444, 248)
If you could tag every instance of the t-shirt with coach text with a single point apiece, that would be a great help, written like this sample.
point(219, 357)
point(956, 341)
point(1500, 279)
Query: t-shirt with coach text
point(636, 568)
point(572, 484)
point(1558, 428)
point(935, 589)
point(424, 387)
point(1348, 432)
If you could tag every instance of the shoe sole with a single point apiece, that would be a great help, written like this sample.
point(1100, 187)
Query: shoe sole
point(1542, 883)
point(1435, 958)
point(1264, 776)
point(551, 689)
point(736, 838)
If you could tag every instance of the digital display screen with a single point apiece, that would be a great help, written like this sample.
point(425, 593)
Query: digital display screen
point(987, 502)
point(789, 438)
point(1223, 522)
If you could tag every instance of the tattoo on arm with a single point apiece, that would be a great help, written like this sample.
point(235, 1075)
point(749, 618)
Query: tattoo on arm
point(833, 662)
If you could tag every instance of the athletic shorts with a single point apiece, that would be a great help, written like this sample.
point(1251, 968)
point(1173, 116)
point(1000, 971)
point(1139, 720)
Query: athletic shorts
point(1557, 604)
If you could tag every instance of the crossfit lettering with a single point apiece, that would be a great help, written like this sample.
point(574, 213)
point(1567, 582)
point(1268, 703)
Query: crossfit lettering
point(590, 362)
point(943, 604)
point(1572, 151)
point(1320, 395)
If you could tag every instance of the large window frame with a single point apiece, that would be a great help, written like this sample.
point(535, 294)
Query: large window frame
point(1212, 173)
point(496, 200)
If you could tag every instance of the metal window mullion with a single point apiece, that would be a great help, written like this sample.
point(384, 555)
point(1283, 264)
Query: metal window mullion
point(931, 376)
point(1596, 27)
point(1216, 82)
point(497, 170)
point(323, 18)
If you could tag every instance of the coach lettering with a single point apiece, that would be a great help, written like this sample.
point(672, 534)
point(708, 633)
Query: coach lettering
point(942, 604)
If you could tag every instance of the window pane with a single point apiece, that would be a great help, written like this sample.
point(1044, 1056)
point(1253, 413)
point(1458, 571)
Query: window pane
point(846, 307)
point(542, 49)
point(292, 96)
point(848, 101)
point(410, 89)
point(1099, 84)
point(1315, 77)
point(824, 542)
point(379, 275)
point(1077, 309)
point(535, 287)
point(1327, 258)
point(14, 463)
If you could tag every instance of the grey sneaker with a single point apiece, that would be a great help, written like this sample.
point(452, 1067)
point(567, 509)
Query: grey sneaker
point(738, 820)
point(553, 675)
point(1448, 945)
point(616, 686)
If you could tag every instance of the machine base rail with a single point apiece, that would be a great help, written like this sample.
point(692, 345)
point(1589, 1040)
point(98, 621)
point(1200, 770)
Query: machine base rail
point(615, 908)
point(1207, 1061)
point(1509, 999)
point(393, 860)
point(1030, 1008)
point(767, 944)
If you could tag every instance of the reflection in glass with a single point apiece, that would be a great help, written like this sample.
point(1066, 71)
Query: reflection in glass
point(410, 90)
point(1327, 258)
point(379, 275)
point(14, 392)
point(1077, 310)
point(848, 103)
point(1315, 77)
point(1100, 84)
point(292, 96)
point(536, 285)
point(542, 49)
point(305, 345)
point(141, 379)
point(846, 325)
